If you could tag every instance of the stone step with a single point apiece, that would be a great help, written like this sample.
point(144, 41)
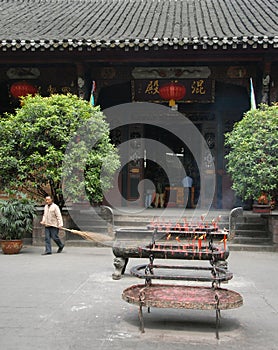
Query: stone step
point(84, 243)
point(92, 220)
point(251, 240)
point(167, 217)
point(251, 226)
point(131, 224)
point(252, 233)
point(251, 219)
point(253, 247)
point(89, 219)
point(89, 226)
point(144, 221)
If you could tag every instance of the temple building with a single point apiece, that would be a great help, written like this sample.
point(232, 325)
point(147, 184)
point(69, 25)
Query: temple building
point(201, 57)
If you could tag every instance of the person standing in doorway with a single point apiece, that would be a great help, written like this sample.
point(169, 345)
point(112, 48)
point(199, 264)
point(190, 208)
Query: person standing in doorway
point(149, 191)
point(159, 192)
point(187, 183)
point(53, 221)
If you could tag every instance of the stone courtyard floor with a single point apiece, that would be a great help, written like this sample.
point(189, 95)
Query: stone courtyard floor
point(69, 301)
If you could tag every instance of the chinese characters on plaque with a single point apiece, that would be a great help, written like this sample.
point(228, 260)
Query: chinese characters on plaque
point(197, 90)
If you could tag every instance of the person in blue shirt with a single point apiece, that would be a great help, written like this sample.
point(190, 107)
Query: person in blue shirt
point(187, 183)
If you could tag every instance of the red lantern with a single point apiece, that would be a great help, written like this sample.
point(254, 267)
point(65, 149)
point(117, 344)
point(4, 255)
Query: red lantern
point(172, 92)
point(22, 88)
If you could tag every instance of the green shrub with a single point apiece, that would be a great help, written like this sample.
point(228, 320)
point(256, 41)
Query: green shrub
point(34, 141)
point(252, 161)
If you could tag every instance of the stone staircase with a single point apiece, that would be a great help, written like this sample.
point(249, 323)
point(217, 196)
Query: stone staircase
point(142, 220)
point(251, 232)
point(97, 219)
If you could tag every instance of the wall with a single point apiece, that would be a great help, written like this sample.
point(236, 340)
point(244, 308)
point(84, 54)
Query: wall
point(273, 227)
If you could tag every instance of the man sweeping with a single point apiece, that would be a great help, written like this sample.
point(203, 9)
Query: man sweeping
point(53, 221)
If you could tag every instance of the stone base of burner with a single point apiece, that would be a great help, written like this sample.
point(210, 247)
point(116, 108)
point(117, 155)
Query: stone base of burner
point(120, 266)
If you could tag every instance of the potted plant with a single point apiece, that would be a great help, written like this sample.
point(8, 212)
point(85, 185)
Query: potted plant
point(263, 204)
point(16, 220)
point(252, 160)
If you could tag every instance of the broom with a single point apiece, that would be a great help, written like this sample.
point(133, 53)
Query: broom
point(90, 236)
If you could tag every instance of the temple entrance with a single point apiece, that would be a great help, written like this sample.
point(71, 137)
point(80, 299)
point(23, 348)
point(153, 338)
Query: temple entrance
point(170, 166)
point(142, 161)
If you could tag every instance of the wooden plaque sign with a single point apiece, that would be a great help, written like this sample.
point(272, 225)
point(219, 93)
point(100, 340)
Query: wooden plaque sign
point(197, 90)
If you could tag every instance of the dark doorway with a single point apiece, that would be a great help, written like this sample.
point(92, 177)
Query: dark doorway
point(174, 171)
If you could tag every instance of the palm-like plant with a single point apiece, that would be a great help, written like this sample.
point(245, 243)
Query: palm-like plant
point(16, 217)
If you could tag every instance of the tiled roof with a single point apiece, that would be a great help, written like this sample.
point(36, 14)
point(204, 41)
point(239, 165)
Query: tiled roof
point(137, 24)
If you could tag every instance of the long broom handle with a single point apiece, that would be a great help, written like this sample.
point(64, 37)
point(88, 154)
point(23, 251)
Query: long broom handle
point(91, 235)
point(99, 237)
point(65, 229)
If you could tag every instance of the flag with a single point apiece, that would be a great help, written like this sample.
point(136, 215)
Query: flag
point(92, 98)
point(252, 96)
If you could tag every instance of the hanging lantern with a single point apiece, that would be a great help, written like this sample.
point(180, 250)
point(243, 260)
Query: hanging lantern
point(22, 88)
point(172, 92)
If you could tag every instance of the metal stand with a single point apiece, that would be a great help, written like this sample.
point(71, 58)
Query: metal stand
point(185, 296)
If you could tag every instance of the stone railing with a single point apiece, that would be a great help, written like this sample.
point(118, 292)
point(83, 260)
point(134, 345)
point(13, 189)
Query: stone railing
point(273, 226)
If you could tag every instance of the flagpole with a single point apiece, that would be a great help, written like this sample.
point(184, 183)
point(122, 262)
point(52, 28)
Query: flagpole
point(252, 96)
